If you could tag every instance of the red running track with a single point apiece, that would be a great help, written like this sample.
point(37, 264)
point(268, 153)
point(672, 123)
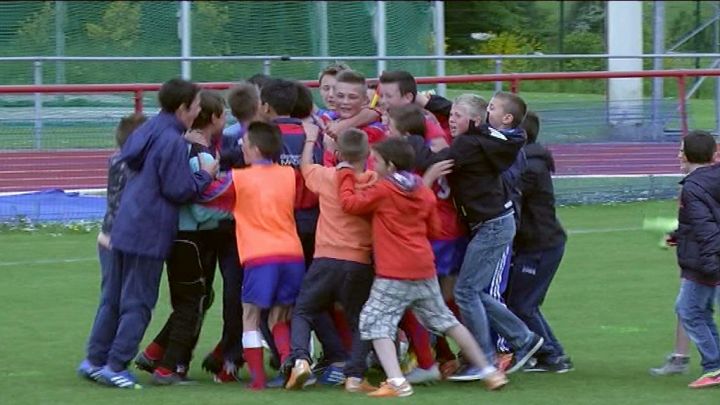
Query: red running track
point(87, 169)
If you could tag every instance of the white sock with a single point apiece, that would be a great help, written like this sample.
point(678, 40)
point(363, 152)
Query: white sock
point(251, 339)
point(397, 381)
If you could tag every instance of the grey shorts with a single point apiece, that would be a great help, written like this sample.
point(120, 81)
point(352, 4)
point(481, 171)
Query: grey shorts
point(390, 298)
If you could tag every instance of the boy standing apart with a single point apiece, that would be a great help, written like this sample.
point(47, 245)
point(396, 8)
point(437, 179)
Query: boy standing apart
point(698, 251)
point(403, 218)
point(268, 244)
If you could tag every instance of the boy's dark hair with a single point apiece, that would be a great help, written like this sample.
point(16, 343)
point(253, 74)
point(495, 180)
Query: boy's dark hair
point(405, 81)
point(353, 145)
point(266, 137)
point(398, 152)
point(333, 70)
point(244, 99)
point(350, 76)
point(513, 104)
point(408, 119)
point(176, 92)
point(531, 125)
point(699, 147)
point(127, 125)
point(281, 95)
point(260, 80)
point(304, 104)
point(211, 105)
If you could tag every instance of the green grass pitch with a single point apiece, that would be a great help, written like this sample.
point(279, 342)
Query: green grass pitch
point(611, 305)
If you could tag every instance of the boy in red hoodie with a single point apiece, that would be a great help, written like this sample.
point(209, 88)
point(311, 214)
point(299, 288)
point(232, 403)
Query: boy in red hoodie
point(403, 218)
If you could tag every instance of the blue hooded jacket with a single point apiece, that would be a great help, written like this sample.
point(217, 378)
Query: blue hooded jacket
point(160, 180)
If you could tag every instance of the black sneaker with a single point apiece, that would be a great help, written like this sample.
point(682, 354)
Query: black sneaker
point(525, 353)
point(145, 363)
point(563, 365)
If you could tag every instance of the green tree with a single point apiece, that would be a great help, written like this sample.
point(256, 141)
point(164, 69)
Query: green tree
point(209, 22)
point(508, 43)
point(587, 16)
point(119, 27)
point(37, 31)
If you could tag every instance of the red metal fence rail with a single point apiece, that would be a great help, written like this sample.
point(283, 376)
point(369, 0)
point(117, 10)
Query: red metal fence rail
point(514, 78)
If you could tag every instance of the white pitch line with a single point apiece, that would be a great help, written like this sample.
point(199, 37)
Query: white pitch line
point(47, 261)
point(602, 230)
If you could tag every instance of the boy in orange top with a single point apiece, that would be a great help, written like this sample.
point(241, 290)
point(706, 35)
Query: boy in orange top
point(341, 270)
point(268, 244)
point(404, 217)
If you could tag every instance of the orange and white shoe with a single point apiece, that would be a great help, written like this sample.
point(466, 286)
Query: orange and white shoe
point(706, 380)
point(390, 390)
point(355, 384)
point(299, 374)
point(495, 380)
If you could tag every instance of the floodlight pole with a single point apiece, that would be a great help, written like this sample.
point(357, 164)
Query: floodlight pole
point(717, 80)
point(380, 23)
point(322, 10)
point(185, 49)
point(439, 16)
point(59, 41)
point(658, 48)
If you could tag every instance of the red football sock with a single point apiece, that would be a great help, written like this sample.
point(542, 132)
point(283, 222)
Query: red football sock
point(281, 336)
point(218, 351)
point(254, 359)
point(154, 351)
point(343, 328)
point(454, 308)
point(163, 371)
point(443, 352)
point(419, 340)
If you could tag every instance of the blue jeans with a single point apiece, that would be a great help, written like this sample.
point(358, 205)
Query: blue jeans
point(483, 255)
point(532, 273)
point(694, 307)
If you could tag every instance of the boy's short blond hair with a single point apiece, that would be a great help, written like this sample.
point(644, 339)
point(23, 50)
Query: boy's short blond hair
point(476, 105)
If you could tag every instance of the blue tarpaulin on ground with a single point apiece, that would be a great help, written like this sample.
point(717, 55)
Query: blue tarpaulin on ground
point(51, 206)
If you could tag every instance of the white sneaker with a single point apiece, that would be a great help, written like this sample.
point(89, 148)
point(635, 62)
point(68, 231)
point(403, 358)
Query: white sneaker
point(422, 376)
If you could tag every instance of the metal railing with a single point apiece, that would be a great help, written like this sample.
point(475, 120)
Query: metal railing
point(138, 89)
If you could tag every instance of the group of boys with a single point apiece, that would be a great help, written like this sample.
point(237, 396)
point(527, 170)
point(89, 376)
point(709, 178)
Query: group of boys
point(347, 221)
